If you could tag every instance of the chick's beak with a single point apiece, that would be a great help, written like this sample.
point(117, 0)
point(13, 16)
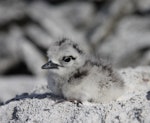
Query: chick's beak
point(50, 65)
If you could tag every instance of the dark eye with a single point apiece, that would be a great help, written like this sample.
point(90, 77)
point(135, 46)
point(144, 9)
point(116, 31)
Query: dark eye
point(66, 59)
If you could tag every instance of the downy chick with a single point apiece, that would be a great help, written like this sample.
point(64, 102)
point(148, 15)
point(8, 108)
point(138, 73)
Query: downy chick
point(76, 76)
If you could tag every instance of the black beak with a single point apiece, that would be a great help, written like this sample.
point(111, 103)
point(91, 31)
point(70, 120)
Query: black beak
point(50, 65)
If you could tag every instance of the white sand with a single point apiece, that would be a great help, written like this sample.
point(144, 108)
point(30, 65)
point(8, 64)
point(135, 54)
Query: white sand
point(132, 107)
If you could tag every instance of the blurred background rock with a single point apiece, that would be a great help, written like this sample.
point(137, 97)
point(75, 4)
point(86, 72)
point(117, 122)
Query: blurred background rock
point(117, 30)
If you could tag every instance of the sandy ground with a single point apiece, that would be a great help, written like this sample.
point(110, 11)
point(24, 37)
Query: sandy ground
point(15, 85)
point(42, 107)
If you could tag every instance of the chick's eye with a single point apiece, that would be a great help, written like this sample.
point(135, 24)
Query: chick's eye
point(66, 59)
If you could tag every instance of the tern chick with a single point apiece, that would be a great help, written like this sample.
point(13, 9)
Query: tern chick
point(75, 75)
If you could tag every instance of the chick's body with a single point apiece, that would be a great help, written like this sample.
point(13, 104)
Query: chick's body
point(76, 76)
point(93, 83)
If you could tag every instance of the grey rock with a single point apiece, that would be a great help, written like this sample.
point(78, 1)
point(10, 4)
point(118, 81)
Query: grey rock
point(142, 5)
point(9, 47)
point(32, 57)
point(129, 43)
point(40, 37)
point(11, 12)
point(106, 20)
point(53, 21)
point(146, 59)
